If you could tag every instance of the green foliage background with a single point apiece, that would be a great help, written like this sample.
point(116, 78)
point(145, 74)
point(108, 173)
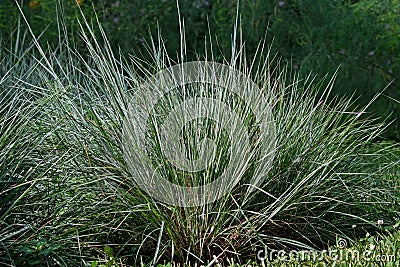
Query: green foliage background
point(361, 37)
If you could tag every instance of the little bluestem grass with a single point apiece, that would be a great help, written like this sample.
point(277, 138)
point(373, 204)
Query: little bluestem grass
point(327, 174)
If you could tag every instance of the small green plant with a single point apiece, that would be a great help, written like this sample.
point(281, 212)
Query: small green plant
point(110, 260)
point(35, 254)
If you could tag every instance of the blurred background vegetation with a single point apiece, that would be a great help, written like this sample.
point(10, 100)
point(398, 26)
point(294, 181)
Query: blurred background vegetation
point(360, 36)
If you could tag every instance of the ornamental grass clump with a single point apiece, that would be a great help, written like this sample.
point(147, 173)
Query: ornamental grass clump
point(309, 172)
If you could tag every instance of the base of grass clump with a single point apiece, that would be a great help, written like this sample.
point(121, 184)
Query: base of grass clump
point(327, 172)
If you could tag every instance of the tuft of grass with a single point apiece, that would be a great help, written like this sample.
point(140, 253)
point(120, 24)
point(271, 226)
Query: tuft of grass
point(27, 177)
point(72, 187)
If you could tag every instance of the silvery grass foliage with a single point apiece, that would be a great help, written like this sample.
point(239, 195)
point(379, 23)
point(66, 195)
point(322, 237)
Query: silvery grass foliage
point(325, 177)
point(27, 177)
